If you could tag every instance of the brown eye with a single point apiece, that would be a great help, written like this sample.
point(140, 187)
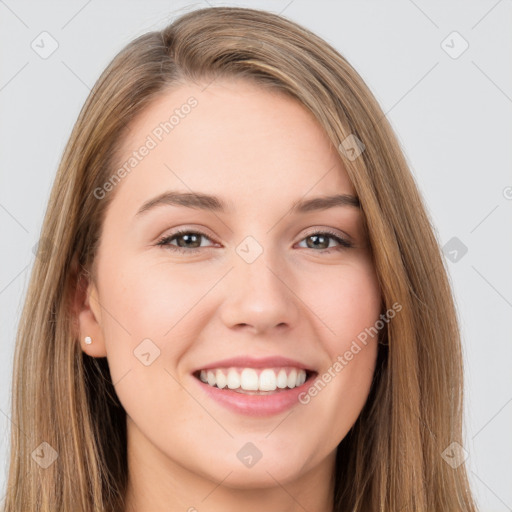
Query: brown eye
point(321, 239)
point(187, 241)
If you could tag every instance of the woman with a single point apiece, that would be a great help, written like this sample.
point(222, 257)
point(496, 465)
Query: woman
point(307, 357)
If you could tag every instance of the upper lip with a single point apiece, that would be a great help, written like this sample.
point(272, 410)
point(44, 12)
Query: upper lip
point(252, 362)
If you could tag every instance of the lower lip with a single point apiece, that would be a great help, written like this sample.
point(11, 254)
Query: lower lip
point(256, 405)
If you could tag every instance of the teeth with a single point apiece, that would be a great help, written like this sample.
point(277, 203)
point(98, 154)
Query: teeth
point(233, 379)
point(292, 378)
point(269, 379)
point(220, 379)
point(249, 380)
point(282, 379)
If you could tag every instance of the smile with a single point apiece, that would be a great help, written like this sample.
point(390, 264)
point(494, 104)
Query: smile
point(254, 379)
point(267, 394)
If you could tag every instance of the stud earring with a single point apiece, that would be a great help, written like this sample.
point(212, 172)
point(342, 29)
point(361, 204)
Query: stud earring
point(88, 340)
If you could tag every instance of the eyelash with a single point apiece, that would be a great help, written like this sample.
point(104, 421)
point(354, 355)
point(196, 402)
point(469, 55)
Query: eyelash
point(165, 241)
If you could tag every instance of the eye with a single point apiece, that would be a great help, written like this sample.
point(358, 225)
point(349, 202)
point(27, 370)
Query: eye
point(321, 238)
point(190, 241)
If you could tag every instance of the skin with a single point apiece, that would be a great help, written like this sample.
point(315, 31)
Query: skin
point(250, 147)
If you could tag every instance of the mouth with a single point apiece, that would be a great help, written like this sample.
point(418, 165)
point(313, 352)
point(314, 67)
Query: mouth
point(255, 381)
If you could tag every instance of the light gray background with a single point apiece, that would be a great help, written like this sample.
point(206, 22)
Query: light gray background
point(452, 116)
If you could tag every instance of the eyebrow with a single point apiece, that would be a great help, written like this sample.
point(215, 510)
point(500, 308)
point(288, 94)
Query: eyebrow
point(200, 201)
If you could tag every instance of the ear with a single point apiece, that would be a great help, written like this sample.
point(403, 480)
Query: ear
point(87, 310)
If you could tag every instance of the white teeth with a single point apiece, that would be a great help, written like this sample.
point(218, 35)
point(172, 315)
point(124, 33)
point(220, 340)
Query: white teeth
point(248, 379)
point(267, 380)
point(220, 379)
point(233, 379)
point(282, 379)
point(292, 378)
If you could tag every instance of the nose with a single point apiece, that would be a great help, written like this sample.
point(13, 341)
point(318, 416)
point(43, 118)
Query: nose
point(259, 296)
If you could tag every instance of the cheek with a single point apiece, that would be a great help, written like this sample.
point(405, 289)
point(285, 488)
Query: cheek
point(153, 302)
point(144, 307)
point(347, 301)
point(148, 307)
point(349, 305)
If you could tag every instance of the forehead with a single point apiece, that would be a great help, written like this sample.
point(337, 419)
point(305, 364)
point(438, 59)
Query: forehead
point(233, 139)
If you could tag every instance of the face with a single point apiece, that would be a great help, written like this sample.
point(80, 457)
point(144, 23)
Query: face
point(255, 279)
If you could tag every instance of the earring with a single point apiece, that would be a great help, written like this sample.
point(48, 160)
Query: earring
point(88, 340)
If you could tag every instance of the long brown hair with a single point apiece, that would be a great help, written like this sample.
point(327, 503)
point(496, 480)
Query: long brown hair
point(391, 460)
